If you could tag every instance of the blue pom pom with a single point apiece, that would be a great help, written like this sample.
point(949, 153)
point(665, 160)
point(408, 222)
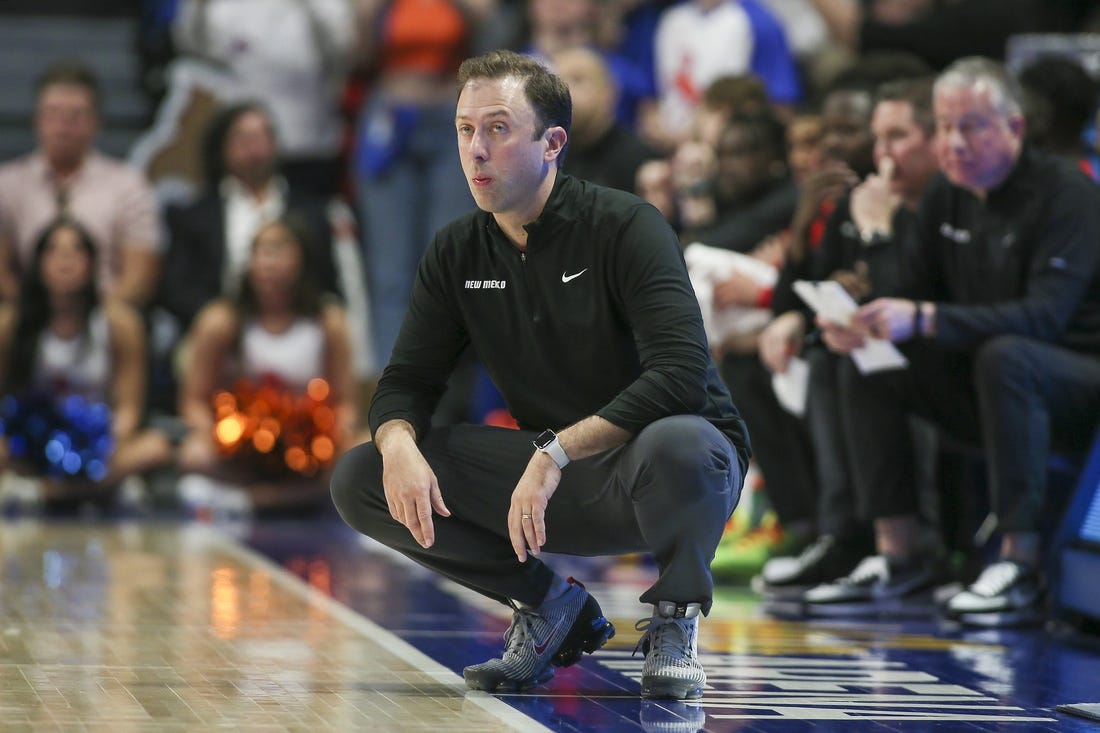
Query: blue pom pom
point(58, 436)
point(96, 469)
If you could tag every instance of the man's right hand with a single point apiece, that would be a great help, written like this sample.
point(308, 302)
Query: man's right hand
point(781, 339)
point(828, 183)
point(874, 202)
point(412, 490)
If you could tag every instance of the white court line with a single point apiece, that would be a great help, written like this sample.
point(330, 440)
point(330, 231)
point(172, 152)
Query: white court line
point(367, 628)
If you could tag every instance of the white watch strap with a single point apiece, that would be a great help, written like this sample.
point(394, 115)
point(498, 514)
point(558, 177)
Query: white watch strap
point(556, 453)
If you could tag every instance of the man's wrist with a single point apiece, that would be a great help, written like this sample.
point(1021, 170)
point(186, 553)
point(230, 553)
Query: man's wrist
point(393, 432)
point(547, 442)
point(924, 314)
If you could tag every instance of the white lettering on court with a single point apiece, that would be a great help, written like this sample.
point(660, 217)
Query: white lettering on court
point(746, 687)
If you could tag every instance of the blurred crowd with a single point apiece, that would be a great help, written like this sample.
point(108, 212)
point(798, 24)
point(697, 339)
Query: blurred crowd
point(223, 322)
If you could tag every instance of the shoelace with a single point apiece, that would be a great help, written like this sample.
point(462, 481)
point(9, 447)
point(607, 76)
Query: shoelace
point(658, 633)
point(519, 631)
point(996, 579)
point(869, 568)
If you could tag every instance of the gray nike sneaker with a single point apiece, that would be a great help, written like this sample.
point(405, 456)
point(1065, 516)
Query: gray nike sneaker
point(553, 635)
point(671, 670)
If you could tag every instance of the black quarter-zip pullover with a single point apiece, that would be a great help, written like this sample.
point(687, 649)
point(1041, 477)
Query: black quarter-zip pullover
point(596, 317)
point(1022, 262)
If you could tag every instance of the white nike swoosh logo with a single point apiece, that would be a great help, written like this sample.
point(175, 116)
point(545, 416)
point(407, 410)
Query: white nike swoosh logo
point(566, 278)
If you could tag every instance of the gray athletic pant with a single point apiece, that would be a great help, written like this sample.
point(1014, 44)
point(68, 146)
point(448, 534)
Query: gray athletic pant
point(668, 491)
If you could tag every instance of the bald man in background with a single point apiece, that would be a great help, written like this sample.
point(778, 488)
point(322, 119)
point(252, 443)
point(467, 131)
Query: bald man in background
point(600, 150)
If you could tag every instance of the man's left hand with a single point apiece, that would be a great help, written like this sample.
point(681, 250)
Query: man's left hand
point(527, 515)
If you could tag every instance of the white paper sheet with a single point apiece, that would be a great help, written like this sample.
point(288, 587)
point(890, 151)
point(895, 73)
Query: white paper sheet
point(831, 301)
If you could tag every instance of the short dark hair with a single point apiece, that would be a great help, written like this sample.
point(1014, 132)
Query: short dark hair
point(545, 90)
point(69, 73)
point(918, 94)
point(767, 132)
point(1068, 95)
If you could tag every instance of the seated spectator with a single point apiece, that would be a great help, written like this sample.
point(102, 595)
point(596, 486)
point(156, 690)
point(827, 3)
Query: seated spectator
point(781, 443)
point(724, 98)
point(75, 364)
point(753, 192)
point(846, 149)
point(209, 239)
point(1002, 337)
point(864, 247)
point(262, 349)
point(600, 149)
point(693, 162)
point(1060, 100)
point(66, 175)
point(291, 56)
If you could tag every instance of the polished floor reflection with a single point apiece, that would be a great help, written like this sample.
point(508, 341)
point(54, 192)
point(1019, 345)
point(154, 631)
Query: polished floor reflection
point(177, 628)
point(301, 626)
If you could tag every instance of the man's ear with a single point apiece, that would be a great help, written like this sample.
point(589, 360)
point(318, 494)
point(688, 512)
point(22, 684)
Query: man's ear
point(1017, 124)
point(555, 138)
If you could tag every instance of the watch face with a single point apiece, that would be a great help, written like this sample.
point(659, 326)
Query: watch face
point(545, 438)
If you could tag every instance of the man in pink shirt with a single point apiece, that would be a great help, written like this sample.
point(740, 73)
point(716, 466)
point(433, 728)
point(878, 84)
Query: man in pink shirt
point(66, 175)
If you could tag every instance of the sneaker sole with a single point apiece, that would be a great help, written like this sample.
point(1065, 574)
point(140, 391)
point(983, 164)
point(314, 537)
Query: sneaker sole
point(475, 680)
point(670, 688)
point(771, 592)
point(1018, 604)
point(1027, 615)
point(1001, 619)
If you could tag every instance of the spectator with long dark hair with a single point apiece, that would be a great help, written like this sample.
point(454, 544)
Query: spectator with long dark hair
point(59, 339)
point(273, 342)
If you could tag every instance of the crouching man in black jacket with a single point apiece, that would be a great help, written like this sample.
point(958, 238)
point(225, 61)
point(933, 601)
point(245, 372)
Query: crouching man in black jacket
point(577, 300)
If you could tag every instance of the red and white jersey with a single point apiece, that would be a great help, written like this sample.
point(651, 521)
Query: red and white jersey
point(694, 46)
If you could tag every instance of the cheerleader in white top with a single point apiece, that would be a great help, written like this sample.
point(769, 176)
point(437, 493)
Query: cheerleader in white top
point(268, 395)
point(73, 376)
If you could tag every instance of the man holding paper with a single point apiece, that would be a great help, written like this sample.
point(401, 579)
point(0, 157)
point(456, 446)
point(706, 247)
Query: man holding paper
point(860, 257)
point(1003, 339)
